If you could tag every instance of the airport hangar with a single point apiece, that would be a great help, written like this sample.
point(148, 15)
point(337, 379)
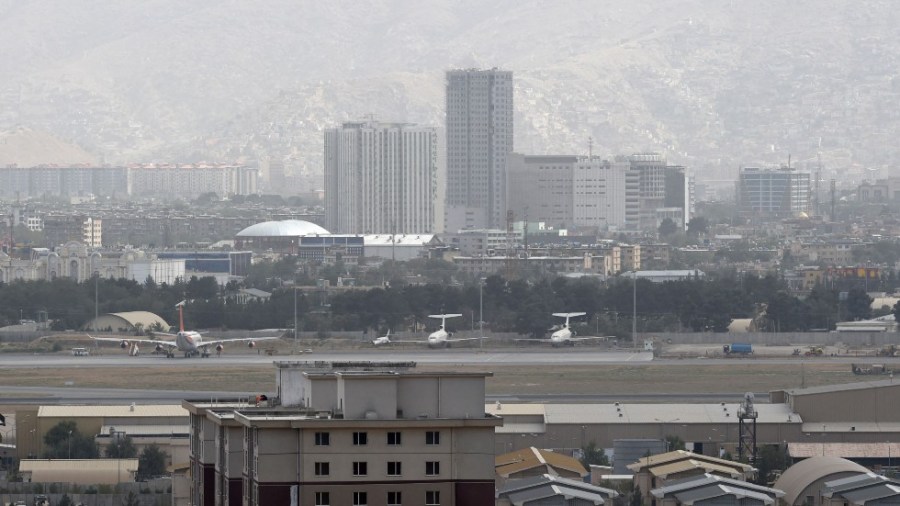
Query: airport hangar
point(825, 418)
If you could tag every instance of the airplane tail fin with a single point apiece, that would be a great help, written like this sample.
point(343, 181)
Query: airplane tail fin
point(181, 316)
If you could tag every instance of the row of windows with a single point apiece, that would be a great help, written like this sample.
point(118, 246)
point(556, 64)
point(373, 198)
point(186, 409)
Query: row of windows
point(432, 437)
point(432, 468)
point(432, 498)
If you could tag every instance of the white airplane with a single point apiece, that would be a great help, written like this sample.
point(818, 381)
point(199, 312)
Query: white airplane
point(383, 340)
point(564, 336)
point(439, 338)
point(188, 341)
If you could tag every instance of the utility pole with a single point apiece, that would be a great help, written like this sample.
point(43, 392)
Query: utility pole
point(634, 308)
point(295, 315)
point(481, 312)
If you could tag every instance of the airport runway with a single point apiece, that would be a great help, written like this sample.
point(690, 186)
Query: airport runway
point(111, 358)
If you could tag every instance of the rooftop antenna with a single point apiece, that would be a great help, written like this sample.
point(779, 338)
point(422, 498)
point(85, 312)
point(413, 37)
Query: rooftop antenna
point(833, 193)
point(590, 147)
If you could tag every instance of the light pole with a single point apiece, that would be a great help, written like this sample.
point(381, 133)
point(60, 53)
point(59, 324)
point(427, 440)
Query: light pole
point(295, 314)
point(69, 442)
point(481, 313)
point(634, 308)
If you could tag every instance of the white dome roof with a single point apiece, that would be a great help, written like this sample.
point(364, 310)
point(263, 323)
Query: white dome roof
point(286, 228)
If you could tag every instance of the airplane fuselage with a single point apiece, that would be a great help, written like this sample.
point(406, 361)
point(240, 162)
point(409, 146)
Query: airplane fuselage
point(381, 341)
point(561, 337)
point(188, 341)
point(438, 339)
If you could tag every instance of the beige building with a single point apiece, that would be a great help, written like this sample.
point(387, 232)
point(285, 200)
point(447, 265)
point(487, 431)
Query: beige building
point(348, 437)
point(531, 462)
point(656, 471)
point(78, 471)
point(163, 425)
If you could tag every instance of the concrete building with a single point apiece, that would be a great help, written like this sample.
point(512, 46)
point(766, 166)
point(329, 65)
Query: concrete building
point(882, 190)
point(400, 247)
point(52, 180)
point(479, 133)
point(345, 436)
point(189, 181)
point(550, 490)
point(60, 229)
point(163, 425)
point(79, 471)
point(279, 236)
point(380, 178)
point(574, 191)
point(773, 193)
point(712, 489)
point(805, 481)
point(75, 261)
point(127, 321)
point(483, 242)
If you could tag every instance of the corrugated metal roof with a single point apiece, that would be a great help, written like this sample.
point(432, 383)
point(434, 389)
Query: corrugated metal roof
point(530, 458)
point(551, 490)
point(705, 480)
point(399, 239)
point(844, 450)
point(284, 228)
point(690, 465)
point(520, 428)
point(669, 414)
point(515, 486)
point(802, 474)
point(689, 497)
point(861, 385)
point(679, 455)
point(138, 410)
point(501, 409)
point(148, 430)
point(863, 496)
point(817, 428)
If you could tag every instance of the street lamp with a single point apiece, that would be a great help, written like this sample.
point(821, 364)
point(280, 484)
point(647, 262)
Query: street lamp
point(481, 312)
point(69, 441)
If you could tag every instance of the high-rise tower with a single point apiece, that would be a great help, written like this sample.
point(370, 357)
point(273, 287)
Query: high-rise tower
point(380, 178)
point(479, 140)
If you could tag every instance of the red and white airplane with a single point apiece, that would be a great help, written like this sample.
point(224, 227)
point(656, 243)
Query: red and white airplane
point(188, 341)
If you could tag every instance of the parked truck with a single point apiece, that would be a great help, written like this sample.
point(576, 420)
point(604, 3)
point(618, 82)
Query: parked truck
point(737, 349)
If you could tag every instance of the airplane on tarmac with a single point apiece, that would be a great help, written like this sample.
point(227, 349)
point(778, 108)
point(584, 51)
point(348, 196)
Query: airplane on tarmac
point(188, 341)
point(383, 340)
point(437, 339)
point(564, 336)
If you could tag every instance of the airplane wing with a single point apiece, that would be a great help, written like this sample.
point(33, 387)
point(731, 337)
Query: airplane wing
point(589, 338)
point(217, 342)
point(156, 342)
point(409, 341)
point(463, 339)
point(153, 333)
point(531, 340)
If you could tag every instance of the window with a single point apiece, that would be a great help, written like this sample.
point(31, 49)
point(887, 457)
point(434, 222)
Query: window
point(360, 468)
point(323, 439)
point(322, 499)
point(394, 499)
point(432, 468)
point(393, 469)
point(360, 438)
point(393, 438)
point(433, 437)
point(360, 499)
point(432, 498)
point(322, 469)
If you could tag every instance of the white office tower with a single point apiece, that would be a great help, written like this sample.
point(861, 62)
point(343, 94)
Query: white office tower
point(569, 190)
point(380, 178)
point(479, 141)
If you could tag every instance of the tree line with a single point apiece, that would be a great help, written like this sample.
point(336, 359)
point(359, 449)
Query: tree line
point(524, 307)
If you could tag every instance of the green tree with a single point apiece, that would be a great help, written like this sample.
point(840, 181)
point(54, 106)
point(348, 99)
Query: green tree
point(151, 463)
point(897, 311)
point(64, 439)
point(121, 448)
point(674, 442)
point(771, 458)
point(131, 500)
point(698, 225)
point(667, 228)
point(859, 305)
point(65, 500)
point(592, 455)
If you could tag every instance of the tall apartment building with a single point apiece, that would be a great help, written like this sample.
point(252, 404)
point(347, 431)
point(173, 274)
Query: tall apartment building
point(380, 178)
point(185, 181)
point(479, 140)
point(773, 192)
point(60, 229)
point(569, 190)
point(666, 191)
point(192, 180)
point(379, 437)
